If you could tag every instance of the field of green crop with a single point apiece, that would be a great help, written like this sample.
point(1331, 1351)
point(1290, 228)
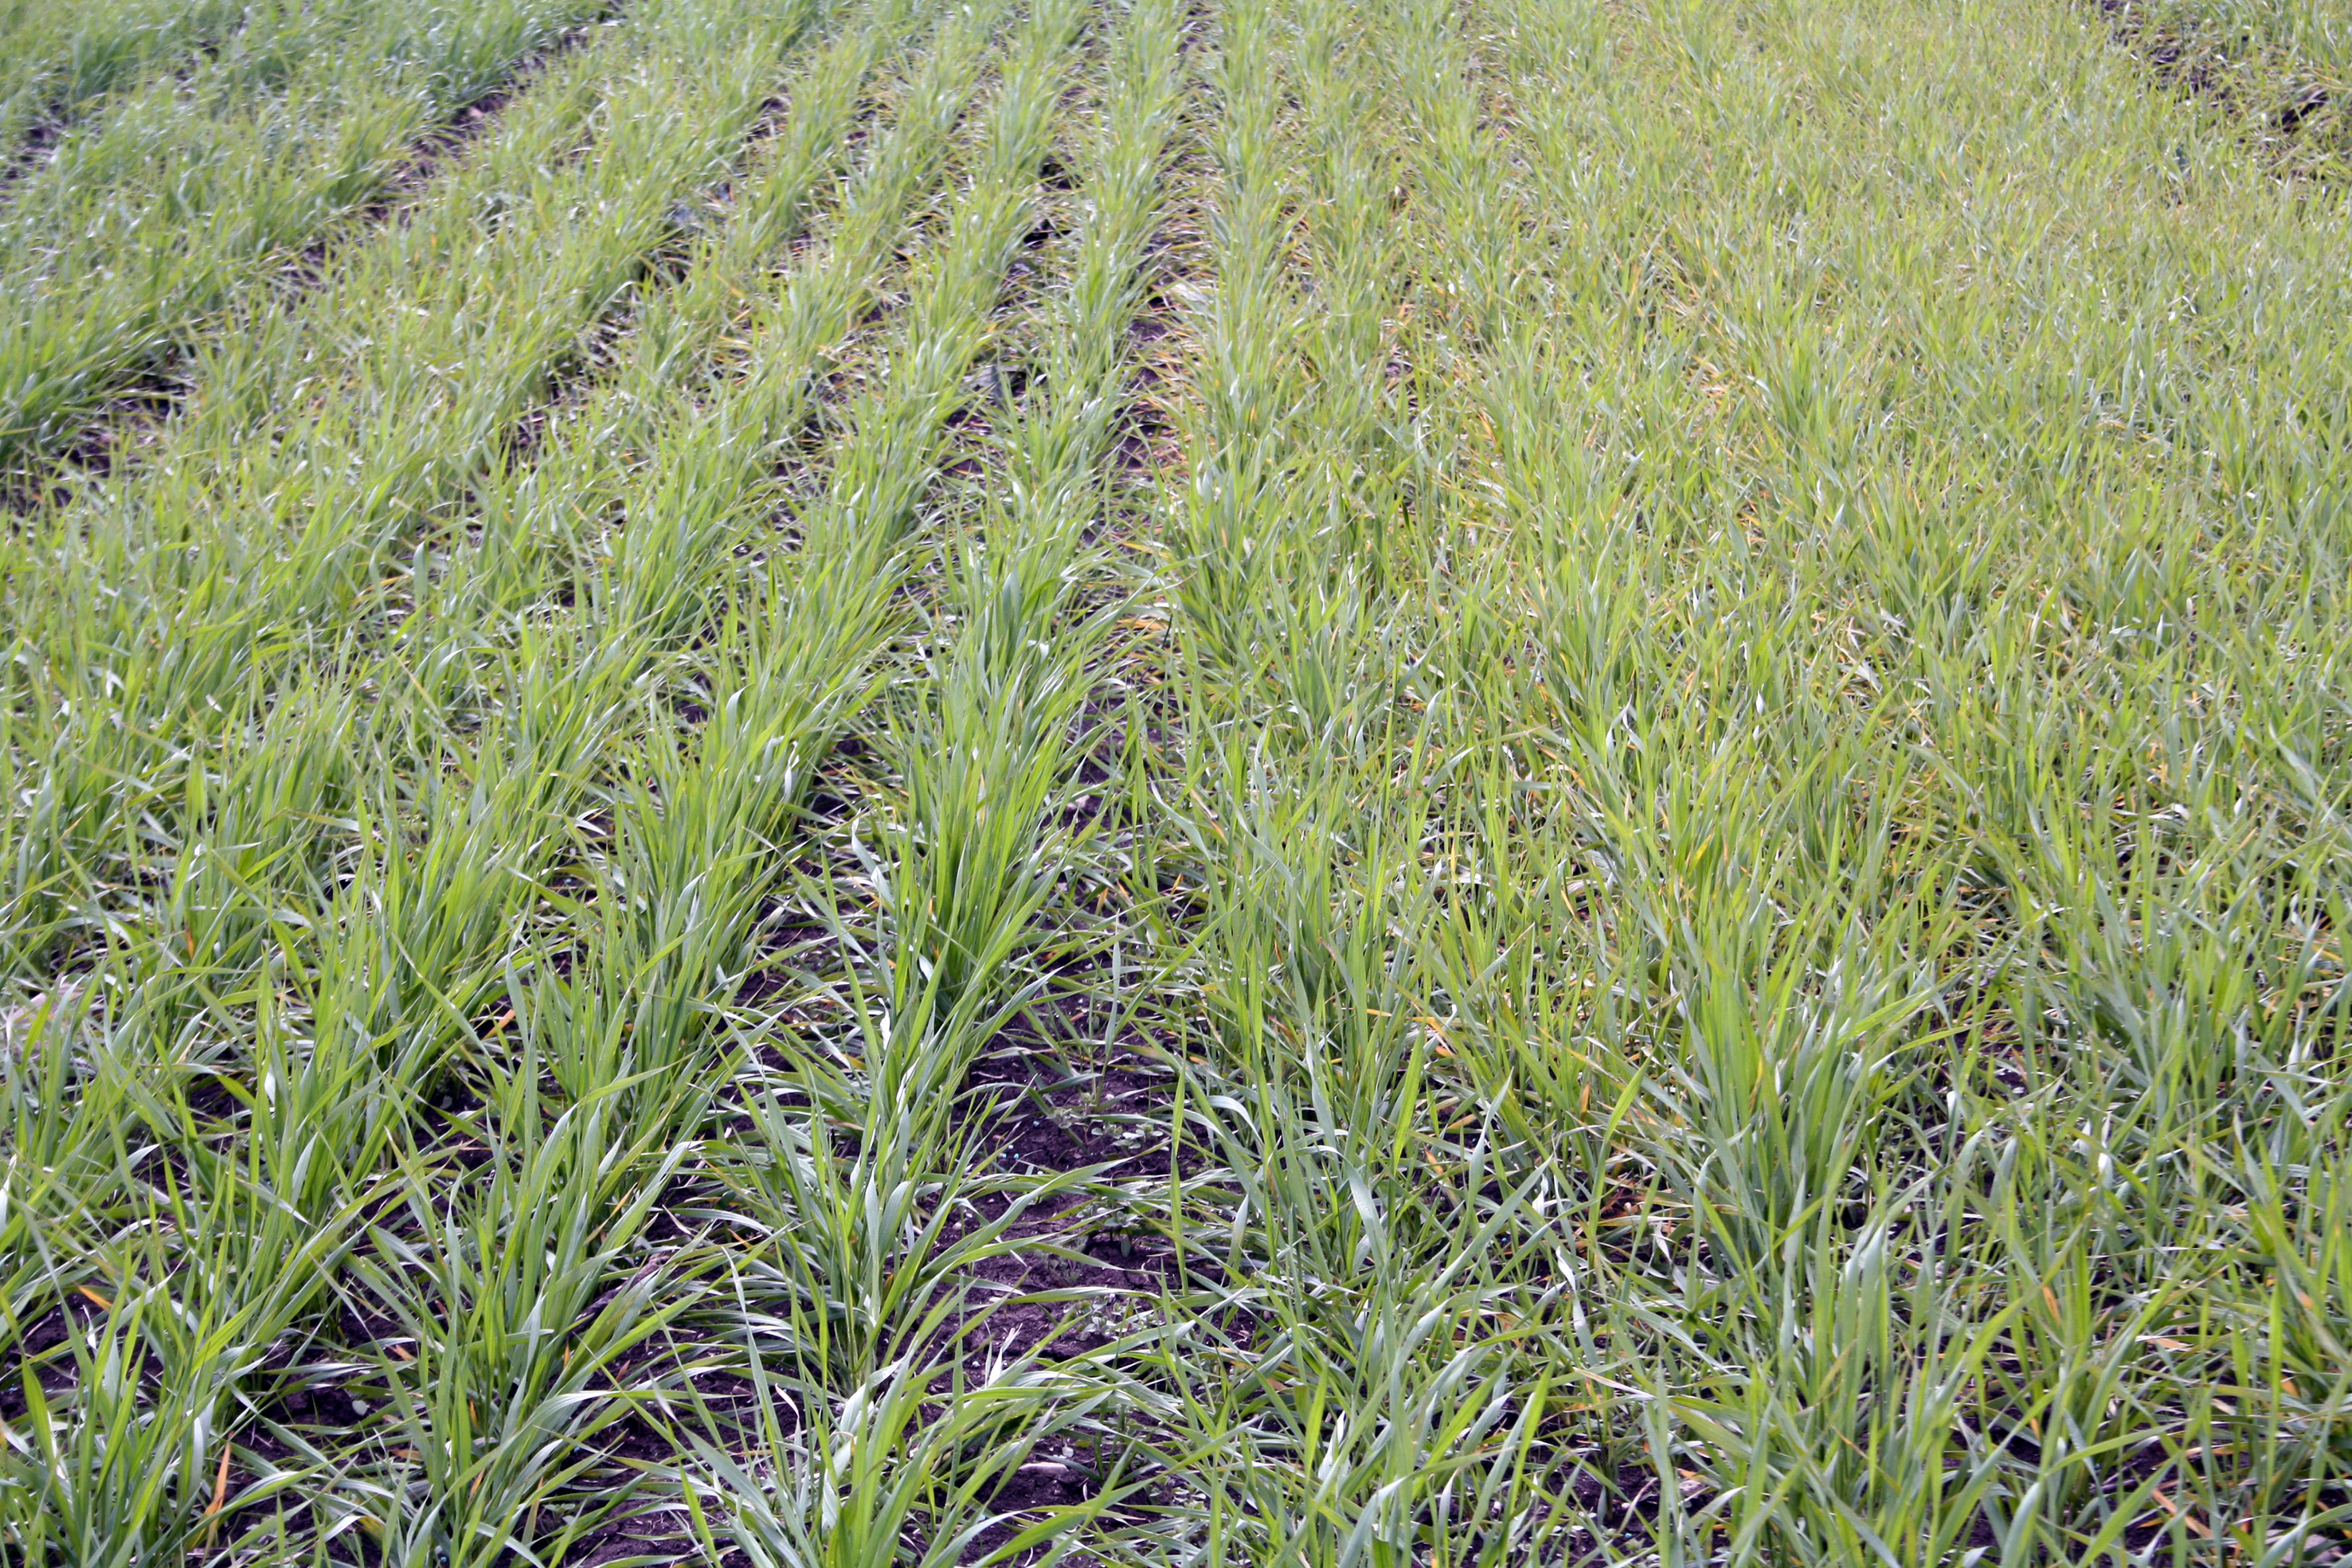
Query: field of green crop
point(1175, 783)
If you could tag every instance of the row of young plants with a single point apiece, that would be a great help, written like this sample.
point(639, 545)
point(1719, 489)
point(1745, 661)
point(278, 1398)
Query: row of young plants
point(324, 973)
point(394, 1252)
point(342, 431)
point(177, 205)
point(60, 58)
